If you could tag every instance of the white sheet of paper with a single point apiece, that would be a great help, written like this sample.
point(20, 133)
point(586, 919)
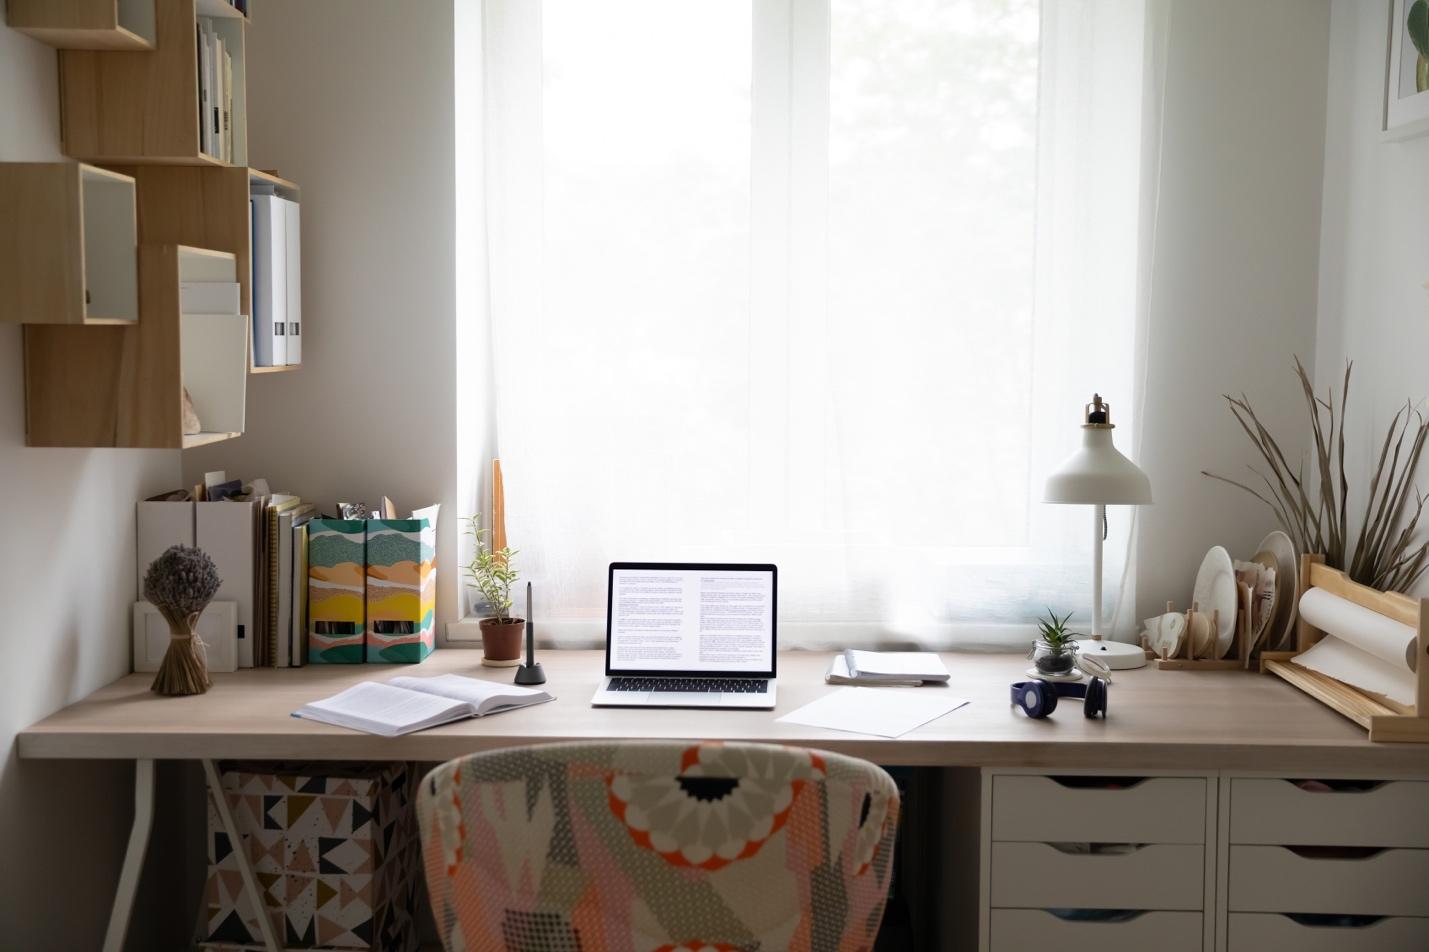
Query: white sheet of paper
point(884, 712)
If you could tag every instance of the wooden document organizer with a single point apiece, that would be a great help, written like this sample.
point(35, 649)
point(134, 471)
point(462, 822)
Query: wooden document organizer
point(1385, 720)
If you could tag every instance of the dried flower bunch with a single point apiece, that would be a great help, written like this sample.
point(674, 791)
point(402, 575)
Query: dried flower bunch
point(181, 583)
point(1383, 555)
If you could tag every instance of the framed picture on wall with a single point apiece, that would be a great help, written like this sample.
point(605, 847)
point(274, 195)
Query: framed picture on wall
point(1406, 85)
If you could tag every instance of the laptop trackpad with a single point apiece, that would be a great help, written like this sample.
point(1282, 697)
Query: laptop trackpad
point(678, 698)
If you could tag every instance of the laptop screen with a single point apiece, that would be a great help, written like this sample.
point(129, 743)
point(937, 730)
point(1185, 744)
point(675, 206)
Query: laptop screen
point(697, 619)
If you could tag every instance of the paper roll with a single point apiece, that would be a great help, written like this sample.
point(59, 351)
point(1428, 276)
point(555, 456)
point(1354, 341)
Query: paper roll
point(1371, 632)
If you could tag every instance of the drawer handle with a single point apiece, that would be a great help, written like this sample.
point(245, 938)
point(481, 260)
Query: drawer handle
point(1096, 915)
point(1329, 920)
point(1309, 785)
point(1097, 849)
point(1077, 782)
point(1336, 852)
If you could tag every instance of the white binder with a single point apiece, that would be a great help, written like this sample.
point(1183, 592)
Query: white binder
point(270, 281)
point(228, 532)
point(294, 275)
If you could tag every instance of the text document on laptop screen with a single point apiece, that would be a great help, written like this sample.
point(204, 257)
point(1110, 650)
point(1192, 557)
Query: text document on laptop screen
point(691, 619)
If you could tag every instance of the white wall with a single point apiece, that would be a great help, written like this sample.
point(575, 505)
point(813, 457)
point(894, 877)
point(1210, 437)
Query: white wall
point(353, 100)
point(1374, 260)
point(67, 583)
point(1236, 252)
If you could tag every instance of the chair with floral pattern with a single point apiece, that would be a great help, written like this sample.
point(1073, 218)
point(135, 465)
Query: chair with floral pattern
point(658, 847)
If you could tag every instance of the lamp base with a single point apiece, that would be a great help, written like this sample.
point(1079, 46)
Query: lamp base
point(1117, 655)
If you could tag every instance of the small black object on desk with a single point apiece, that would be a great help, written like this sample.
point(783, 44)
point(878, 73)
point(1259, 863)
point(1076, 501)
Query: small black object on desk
point(530, 672)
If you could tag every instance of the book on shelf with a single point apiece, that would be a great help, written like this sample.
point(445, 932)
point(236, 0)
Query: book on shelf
point(406, 704)
point(205, 57)
point(886, 666)
point(227, 106)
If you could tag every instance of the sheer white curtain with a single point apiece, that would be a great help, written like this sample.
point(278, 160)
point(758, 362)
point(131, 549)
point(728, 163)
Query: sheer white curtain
point(817, 282)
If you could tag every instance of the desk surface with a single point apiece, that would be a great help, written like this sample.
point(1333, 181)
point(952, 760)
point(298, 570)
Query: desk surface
point(1158, 719)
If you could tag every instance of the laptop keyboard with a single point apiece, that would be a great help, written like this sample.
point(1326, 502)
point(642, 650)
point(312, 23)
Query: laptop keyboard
point(692, 685)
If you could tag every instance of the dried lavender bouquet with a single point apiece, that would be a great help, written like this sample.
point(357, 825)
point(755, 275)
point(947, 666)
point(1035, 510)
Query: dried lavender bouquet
point(180, 583)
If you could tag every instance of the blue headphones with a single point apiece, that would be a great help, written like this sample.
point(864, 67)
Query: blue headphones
point(1039, 698)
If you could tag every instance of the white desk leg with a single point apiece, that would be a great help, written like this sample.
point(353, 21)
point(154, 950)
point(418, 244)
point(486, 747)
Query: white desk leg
point(245, 869)
point(133, 856)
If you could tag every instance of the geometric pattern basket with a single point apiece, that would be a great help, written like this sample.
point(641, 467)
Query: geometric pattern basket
point(335, 854)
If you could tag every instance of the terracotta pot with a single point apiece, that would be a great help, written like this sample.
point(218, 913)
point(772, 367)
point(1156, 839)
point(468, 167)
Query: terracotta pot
point(501, 642)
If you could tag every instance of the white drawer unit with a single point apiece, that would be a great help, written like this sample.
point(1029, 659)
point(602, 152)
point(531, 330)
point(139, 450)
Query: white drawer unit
point(1256, 932)
point(1019, 930)
point(1273, 811)
point(1155, 877)
point(1391, 882)
point(1030, 808)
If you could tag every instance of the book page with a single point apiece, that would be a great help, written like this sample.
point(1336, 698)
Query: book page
point(384, 709)
point(483, 696)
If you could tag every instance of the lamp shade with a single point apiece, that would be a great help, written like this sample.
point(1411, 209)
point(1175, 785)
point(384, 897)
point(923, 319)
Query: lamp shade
point(1098, 473)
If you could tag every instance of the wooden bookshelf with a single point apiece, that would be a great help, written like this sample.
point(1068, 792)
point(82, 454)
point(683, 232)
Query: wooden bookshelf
point(86, 24)
point(207, 207)
point(123, 386)
point(126, 107)
point(67, 245)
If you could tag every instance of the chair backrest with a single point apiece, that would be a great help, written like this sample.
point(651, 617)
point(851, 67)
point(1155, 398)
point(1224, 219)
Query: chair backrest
point(652, 846)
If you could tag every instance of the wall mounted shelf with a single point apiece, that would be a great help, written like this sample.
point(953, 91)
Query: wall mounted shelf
point(86, 24)
point(123, 386)
point(67, 245)
point(207, 207)
point(144, 107)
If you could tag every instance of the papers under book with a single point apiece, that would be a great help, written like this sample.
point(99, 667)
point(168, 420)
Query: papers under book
point(406, 704)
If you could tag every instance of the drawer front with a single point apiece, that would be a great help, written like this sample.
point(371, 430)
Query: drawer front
point(1275, 879)
point(1278, 812)
point(1020, 930)
point(1039, 876)
point(1256, 932)
point(1155, 810)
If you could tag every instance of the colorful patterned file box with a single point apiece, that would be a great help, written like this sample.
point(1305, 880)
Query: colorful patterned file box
point(335, 853)
point(337, 586)
point(401, 590)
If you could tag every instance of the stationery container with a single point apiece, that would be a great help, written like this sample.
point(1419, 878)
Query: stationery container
point(334, 851)
point(401, 590)
point(337, 587)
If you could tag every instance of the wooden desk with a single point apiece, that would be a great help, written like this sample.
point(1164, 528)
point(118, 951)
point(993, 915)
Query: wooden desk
point(1167, 721)
point(1157, 719)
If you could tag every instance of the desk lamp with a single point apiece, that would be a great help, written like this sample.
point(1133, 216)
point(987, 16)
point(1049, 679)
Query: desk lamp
point(1099, 476)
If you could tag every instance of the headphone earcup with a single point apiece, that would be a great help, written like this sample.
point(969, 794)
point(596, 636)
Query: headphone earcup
point(1048, 694)
point(1096, 698)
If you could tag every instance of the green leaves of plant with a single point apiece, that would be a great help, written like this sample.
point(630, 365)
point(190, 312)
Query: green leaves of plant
point(1417, 25)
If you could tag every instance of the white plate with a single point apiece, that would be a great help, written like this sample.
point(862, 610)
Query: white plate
point(1166, 633)
point(1216, 592)
point(1287, 584)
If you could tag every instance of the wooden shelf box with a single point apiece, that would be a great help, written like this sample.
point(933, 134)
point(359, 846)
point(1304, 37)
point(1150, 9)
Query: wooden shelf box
point(86, 24)
point(144, 107)
point(207, 207)
point(67, 245)
point(123, 386)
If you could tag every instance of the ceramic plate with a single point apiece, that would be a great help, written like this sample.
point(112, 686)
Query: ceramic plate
point(1166, 634)
point(1287, 588)
point(1216, 592)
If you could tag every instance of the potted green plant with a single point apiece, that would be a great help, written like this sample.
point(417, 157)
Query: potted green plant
point(492, 574)
point(1055, 650)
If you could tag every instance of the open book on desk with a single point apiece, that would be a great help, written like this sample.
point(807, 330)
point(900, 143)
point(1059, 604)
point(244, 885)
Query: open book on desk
point(406, 704)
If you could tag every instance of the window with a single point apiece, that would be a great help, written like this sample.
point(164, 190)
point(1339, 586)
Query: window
point(817, 282)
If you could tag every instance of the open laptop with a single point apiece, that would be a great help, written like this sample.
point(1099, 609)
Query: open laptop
point(689, 635)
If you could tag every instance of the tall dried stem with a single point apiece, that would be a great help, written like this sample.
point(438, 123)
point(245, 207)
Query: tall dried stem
point(1383, 553)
